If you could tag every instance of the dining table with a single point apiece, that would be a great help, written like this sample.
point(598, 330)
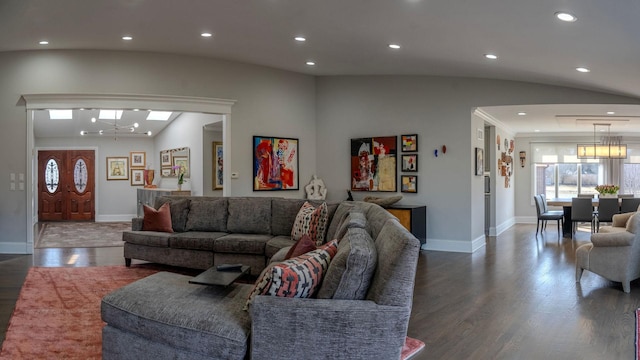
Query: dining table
point(566, 210)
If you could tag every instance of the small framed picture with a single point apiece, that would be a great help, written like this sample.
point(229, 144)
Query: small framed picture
point(480, 161)
point(137, 159)
point(218, 168)
point(480, 134)
point(117, 168)
point(165, 158)
point(410, 163)
point(409, 142)
point(165, 172)
point(409, 184)
point(137, 177)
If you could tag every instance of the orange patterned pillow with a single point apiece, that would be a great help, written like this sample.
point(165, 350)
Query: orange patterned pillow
point(298, 277)
point(311, 221)
point(157, 220)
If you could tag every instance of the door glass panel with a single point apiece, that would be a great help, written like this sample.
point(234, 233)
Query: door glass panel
point(51, 176)
point(80, 175)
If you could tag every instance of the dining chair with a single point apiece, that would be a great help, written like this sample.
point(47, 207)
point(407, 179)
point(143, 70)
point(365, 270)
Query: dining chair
point(581, 211)
point(607, 207)
point(586, 195)
point(625, 196)
point(629, 204)
point(543, 216)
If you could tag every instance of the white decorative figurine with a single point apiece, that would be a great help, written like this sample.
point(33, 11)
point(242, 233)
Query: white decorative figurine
point(315, 189)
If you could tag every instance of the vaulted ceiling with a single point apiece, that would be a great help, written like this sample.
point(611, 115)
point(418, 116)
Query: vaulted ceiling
point(435, 37)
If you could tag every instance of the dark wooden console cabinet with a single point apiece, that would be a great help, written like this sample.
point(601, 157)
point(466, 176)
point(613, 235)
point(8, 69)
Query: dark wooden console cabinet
point(413, 218)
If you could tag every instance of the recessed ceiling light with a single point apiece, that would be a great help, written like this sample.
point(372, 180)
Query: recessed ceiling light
point(566, 16)
point(60, 114)
point(310, 63)
point(44, 42)
point(522, 113)
point(491, 56)
point(394, 46)
point(206, 34)
point(159, 115)
point(127, 38)
point(536, 130)
point(611, 112)
point(583, 69)
point(300, 38)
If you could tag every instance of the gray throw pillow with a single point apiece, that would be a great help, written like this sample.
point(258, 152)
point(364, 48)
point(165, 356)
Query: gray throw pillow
point(354, 218)
point(351, 269)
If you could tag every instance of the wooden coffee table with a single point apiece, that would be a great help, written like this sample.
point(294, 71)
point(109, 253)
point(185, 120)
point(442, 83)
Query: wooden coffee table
point(222, 278)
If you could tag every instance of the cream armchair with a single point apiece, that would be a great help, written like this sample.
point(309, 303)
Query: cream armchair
point(613, 255)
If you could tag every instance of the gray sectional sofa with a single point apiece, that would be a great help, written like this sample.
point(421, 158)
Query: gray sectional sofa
point(218, 230)
point(361, 310)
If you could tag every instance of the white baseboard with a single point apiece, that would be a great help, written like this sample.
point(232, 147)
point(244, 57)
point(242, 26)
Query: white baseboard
point(505, 226)
point(455, 245)
point(16, 248)
point(112, 218)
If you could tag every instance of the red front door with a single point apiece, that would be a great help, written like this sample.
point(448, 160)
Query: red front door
point(66, 185)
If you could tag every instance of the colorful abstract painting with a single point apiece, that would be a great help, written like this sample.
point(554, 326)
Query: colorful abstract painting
point(275, 163)
point(373, 164)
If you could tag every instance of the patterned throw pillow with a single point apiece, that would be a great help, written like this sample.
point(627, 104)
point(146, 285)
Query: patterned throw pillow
point(311, 221)
point(297, 277)
point(157, 220)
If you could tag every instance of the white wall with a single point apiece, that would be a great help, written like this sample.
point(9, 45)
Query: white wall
point(438, 109)
point(269, 102)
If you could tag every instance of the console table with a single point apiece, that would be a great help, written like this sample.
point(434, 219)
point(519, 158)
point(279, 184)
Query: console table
point(413, 218)
point(148, 196)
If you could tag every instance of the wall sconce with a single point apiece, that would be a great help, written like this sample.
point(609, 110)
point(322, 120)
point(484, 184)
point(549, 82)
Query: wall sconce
point(523, 157)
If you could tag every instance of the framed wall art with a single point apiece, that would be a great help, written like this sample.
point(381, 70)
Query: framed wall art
point(479, 161)
point(165, 172)
point(410, 162)
point(117, 168)
point(275, 163)
point(218, 168)
point(137, 159)
point(374, 164)
point(137, 177)
point(409, 142)
point(165, 158)
point(409, 184)
point(181, 165)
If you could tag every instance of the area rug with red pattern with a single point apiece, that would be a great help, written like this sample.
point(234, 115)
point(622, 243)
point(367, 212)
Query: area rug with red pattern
point(57, 315)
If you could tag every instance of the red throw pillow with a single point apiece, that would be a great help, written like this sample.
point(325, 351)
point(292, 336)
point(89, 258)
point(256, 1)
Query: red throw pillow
point(157, 220)
point(302, 246)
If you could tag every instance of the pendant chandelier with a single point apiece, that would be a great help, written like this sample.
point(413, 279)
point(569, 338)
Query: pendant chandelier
point(110, 119)
point(609, 148)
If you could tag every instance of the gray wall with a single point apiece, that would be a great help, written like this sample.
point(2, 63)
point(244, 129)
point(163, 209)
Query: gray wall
point(269, 102)
point(323, 113)
point(439, 110)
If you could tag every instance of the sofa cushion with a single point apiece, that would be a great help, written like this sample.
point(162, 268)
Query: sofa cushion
point(194, 240)
point(284, 214)
point(147, 238)
point(241, 243)
point(350, 272)
point(339, 214)
point(207, 215)
point(310, 221)
point(276, 243)
point(354, 218)
point(302, 246)
point(249, 215)
point(179, 211)
point(297, 277)
point(633, 224)
point(166, 309)
point(157, 220)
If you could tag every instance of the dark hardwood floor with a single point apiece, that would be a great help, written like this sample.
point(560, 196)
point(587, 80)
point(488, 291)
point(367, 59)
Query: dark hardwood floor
point(515, 299)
